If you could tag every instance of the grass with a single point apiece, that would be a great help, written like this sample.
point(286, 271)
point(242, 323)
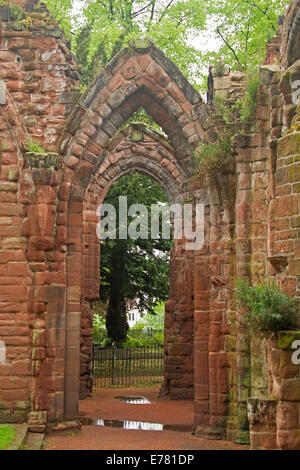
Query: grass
point(7, 434)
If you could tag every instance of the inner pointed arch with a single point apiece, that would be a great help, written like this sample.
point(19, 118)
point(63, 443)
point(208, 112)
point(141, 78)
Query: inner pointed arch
point(139, 76)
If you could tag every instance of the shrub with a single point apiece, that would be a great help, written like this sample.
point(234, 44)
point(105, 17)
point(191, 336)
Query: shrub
point(249, 102)
point(266, 309)
point(16, 13)
point(212, 156)
point(222, 108)
point(149, 331)
point(140, 336)
point(99, 329)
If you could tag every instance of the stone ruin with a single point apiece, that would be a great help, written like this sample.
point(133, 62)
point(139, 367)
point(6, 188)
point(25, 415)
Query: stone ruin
point(49, 251)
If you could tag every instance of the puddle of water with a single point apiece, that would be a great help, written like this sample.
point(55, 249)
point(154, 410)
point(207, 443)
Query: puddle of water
point(139, 425)
point(124, 424)
point(134, 400)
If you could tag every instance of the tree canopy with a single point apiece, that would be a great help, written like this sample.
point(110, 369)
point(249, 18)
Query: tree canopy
point(244, 28)
point(102, 27)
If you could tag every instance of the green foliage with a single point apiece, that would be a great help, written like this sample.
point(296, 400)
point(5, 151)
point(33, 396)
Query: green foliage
point(99, 329)
point(149, 330)
point(16, 13)
point(137, 337)
point(155, 320)
point(222, 108)
point(212, 157)
point(34, 146)
point(244, 28)
point(63, 11)
point(104, 27)
point(266, 309)
point(7, 434)
point(141, 116)
point(249, 102)
point(101, 28)
point(243, 109)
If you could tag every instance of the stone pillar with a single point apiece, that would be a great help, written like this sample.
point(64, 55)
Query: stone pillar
point(178, 363)
point(275, 421)
point(285, 386)
point(243, 211)
point(73, 306)
point(44, 335)
point(262, 419)
point(90, 292)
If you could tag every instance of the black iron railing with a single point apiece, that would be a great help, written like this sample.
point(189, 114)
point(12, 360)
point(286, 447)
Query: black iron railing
point(117, 367)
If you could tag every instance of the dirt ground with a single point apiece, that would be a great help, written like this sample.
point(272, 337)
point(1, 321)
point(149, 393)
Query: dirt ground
point(105, 405)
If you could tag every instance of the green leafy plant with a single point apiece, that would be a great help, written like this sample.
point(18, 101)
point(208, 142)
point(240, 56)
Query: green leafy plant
point(266, 309)
point(249, 102)
point(243, 109)
point(16, 13)
point(244, 28)
point(149, 331)
point(99, 326)
point(211, 157)
point(34, 146)
point(139, 337)
point(226, 111)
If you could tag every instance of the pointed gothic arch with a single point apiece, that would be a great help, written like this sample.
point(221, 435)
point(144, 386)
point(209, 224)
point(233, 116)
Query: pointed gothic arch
point(139, 76)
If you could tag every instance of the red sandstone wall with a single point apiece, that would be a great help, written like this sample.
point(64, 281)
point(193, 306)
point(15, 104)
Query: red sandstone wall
point(38, 71)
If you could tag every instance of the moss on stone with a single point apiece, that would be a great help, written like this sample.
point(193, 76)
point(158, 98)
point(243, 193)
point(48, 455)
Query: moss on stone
point(285, 82)
point(23, 405)
point(243, 438)
point(35, 336)
point(140, 44)
point(13, 174)
point(136, 136)
point(295, 142)
point(285, 338)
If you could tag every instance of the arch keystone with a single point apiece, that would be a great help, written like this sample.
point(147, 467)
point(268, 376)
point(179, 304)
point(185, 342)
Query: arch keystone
point(141, 45)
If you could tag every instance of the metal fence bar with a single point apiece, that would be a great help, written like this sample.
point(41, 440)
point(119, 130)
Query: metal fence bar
point(126, 366)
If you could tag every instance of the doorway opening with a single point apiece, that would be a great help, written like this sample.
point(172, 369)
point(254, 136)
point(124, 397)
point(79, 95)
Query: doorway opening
point(128, 318)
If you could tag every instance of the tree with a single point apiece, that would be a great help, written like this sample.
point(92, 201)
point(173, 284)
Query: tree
point(103, 27)
point(244, 28)
point(133, 269)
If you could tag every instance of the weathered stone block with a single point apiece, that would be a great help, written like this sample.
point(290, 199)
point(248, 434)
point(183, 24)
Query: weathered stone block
point(288, 439)
point(287, 415)
point(290, 390)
